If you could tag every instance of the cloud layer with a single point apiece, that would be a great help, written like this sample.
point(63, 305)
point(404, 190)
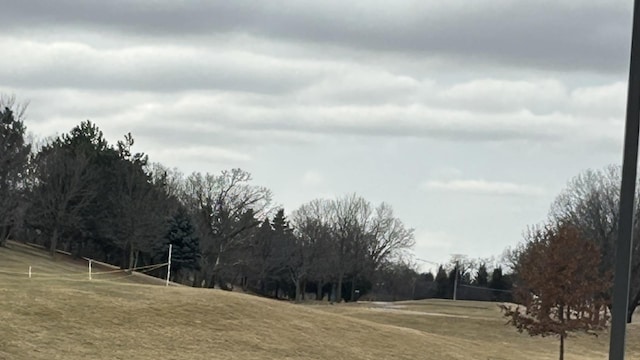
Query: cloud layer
point(321, 98)
point(565, 35)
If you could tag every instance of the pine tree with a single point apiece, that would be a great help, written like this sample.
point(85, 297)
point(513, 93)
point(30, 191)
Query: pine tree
point(498, 283)
point(442, 283)
point(185, 254)
point(13, 161)
point(482, 277)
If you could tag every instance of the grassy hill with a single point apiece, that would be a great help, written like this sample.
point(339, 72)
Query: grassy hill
point(120, 317)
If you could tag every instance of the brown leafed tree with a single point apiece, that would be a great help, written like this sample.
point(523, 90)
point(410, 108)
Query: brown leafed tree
point(559, 289)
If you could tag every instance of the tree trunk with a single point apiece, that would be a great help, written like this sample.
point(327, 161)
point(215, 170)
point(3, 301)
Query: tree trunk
point(54, 242)
point(4, 235)
point(338, 298)
point(212, 280)
point(198, 276)
point(214, 276)
point(561, 347)
point(352, 296)
point(332, 294)
point(413, 289)
point(562, 335)
point(137, 257)
point(319, 291)
point(298, 295)
point(123, 260)
point(304, 289)
point(131, 256)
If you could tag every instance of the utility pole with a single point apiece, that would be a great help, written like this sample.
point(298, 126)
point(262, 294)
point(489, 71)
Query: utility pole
point(627, 199)
point(455, 284)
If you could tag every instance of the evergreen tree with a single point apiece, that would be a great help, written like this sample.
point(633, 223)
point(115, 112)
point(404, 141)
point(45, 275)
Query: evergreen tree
point(482, 277)
point(185, 255)
point(501, 284)
point(14, 154)
point(442, 283)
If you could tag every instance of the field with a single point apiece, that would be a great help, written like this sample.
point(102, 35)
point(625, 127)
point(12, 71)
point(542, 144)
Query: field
point(130, 317)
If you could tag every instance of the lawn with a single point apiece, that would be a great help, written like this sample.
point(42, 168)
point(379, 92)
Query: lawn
point(60, 314)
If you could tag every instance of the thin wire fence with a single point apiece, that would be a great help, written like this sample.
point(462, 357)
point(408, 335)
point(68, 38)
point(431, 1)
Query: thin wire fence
point(39, 275)
point(41, 272)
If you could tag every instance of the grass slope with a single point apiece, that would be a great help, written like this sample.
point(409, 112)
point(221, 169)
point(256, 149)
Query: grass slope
point(116, 317)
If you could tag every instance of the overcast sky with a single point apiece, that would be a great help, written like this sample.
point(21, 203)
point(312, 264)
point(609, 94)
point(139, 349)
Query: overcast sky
point(468, 117)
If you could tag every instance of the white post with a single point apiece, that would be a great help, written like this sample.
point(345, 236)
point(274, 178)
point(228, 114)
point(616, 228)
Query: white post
point(455, 284)
point(29, 272)
point(169, 265)
point(89, 269)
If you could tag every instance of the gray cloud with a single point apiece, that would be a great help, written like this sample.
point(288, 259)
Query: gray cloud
point(323, 98)
point(563, 35)
point(148, 68)
point(232, 119)
point(483, 187)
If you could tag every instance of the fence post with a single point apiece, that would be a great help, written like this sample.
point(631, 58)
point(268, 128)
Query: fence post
point(29, 272)
point(89, 269)
point(169, 265)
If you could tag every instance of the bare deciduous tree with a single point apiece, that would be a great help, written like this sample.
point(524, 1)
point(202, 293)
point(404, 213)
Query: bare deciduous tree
point(591, 203)
point(353, 237)
point(225, 207)
point(312, 224)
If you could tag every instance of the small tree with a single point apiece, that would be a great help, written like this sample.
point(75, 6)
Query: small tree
point(558, 287)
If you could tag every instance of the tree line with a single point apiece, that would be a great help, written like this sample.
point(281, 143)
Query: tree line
point(79, 193)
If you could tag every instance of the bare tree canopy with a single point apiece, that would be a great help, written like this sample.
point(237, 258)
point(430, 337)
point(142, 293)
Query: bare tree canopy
point(350, 237)
point(590, 202)
point(226, 206)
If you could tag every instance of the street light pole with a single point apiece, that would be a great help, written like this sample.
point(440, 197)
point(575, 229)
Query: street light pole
point(627, 199)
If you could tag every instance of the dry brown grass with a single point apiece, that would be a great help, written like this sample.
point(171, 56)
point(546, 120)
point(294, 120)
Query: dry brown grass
point(118, 318)
point(480, 329)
